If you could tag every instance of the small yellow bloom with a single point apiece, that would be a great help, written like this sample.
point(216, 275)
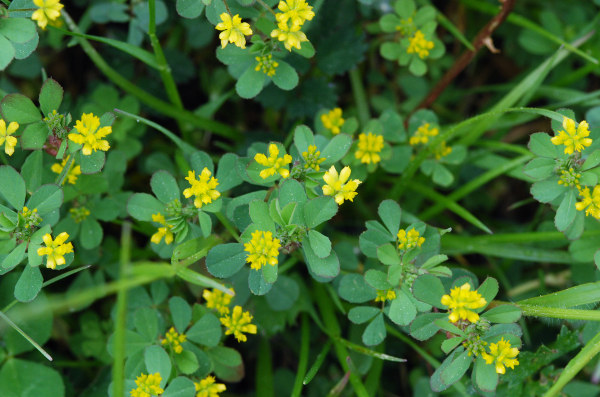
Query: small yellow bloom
point(73, 173)
point(569, 178)
point(90, 135)
point(208, 388)
point(174, 340)
point(238, 323)
point(233, 30)
point(263, 249)
point(266, 64)
point(217, 300)
point(147, 385)
point(423, 134)
point(460, 300)
point(275, 163)
point(55, 249)
point(406, 27)
point(291, 36)
point(369, 147)
point(295, 11)
point(503, 355)
point(164, 231)
point(333, 120)
point(312, 158)
point(339, 186)
point(48, 10)
point(385, 295)
point(574, 140)
point(419, 45)
point(5, 136)
point(79, 214)
point(590, 202)
point(203, 188)
point(441, 150)
point(410, 239)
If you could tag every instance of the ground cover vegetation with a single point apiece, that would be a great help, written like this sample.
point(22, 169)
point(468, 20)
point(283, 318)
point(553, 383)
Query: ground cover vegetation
point(205, 198)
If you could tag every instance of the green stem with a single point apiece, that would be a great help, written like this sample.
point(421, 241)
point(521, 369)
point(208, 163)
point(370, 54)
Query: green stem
point(374, 377)
point(333, 329)
point(589, 351)
point(556, 312)
point(65, 171)
point(264, 370)
point(303, 359)
point(360, 97)
point(266, 6)
point(145, 97)
point(24, 335)
point(118, 374)
point(228, 226)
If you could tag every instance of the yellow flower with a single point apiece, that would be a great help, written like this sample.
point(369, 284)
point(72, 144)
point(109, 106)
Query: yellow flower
point(406, 26)
point(238, 323)
point(572, 139)
point(423, 134)
point(162, 231)
point(275, 163)
point(233, 30)
point(333, 120)
point(203, 188)
point(291, 36)
point(590, 202)
point(217, 300)
point(174, 340)
point(147, 385)
point(460, 300)
point(503, 355)
point(5, 136)
point(73, 173)
point(312, 158)
point(339, 186)
point(89, 135)
point(385, 295)
point(55, 249)
point(442, 150)
point(79, 214)
point(263, 249)
point(295, 11)
point(369, 146)
point(267, 64)
point(208, 388)
point(419, 45)
point(48, 10)
point(410, 239)
point(569, 178)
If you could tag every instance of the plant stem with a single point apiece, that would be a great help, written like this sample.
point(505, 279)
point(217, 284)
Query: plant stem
point(303, 359)
point(24, 335)
point(228, 226)
point(360, 97)
point(65, 171)
point(264, 370)
point(266, 6)
point(557, 312)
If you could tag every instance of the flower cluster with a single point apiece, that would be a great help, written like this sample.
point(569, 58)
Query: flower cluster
point(289, 22)
point(441, 150)
point(419, 45)
point(333, 120)
point(174, 340)
point(208, 388)
point(217, 300)
point(313, 158)
point(410, 239)
point(423, 133)
point(369, 147)
point(339, 186)
point(233, 30)
point(72, 174)
point(79, 214)
point(574, 139)
point(202, 188)
point(28, 222)
point(385, 295)
point(460, 300)
point(89, 134)
point(569, 177)
point(147, 385)
point(238, 323)
point(164, 231)
point(263, 249)
point(48, 10)
point(590, 201)
point(6, 137)
point(266, 64)
point(274, 163)
point(55, 249)
point(502, 354)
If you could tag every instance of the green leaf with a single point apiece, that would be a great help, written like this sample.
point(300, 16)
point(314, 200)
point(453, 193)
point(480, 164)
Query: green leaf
point(488, 290)
point(370, 240)
point(291, 191)
point(328, 267)
point(20, 378)
point(14, 257)
point(250, 83)
point(46, 199)
point(336, 149)
point(34, 136)
point(91, 233)
point(320, 244)
point(354, 289)
point(257, 283)
point(142, 206)
point(187, 362)
point(269, 273)
point(456, 369)
point(390, 213)
point(540, 168)
point(181, 386)
point(227, 173)
point(434, 261)
point(591, 161)
point(377, 279)
point(375, 332)
point(285, 76)
point(206, 331)
point(181, 313)
point(424, 327)
point(503, 314)
point(225, 260)
point(450, 344)
point(17, 30)
point(362, 314)
point(319, 210)
point(540, 145)
point(303, 138)
point(51, 96)
point(12, 187)
point(565, 215)
point(7, 52)
point(29, 284)
point(189, 8)
point(164, 186)
point(306, 50)
point(429, 289)
point(146, 323)
point(402, 310)
point(485, 375)
point(547, 190)
point(157, 360)
point(388, 255)
point(32, 170)
point(91, 164)
point(284, 294)
point(259, 213)
point(19, 108)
